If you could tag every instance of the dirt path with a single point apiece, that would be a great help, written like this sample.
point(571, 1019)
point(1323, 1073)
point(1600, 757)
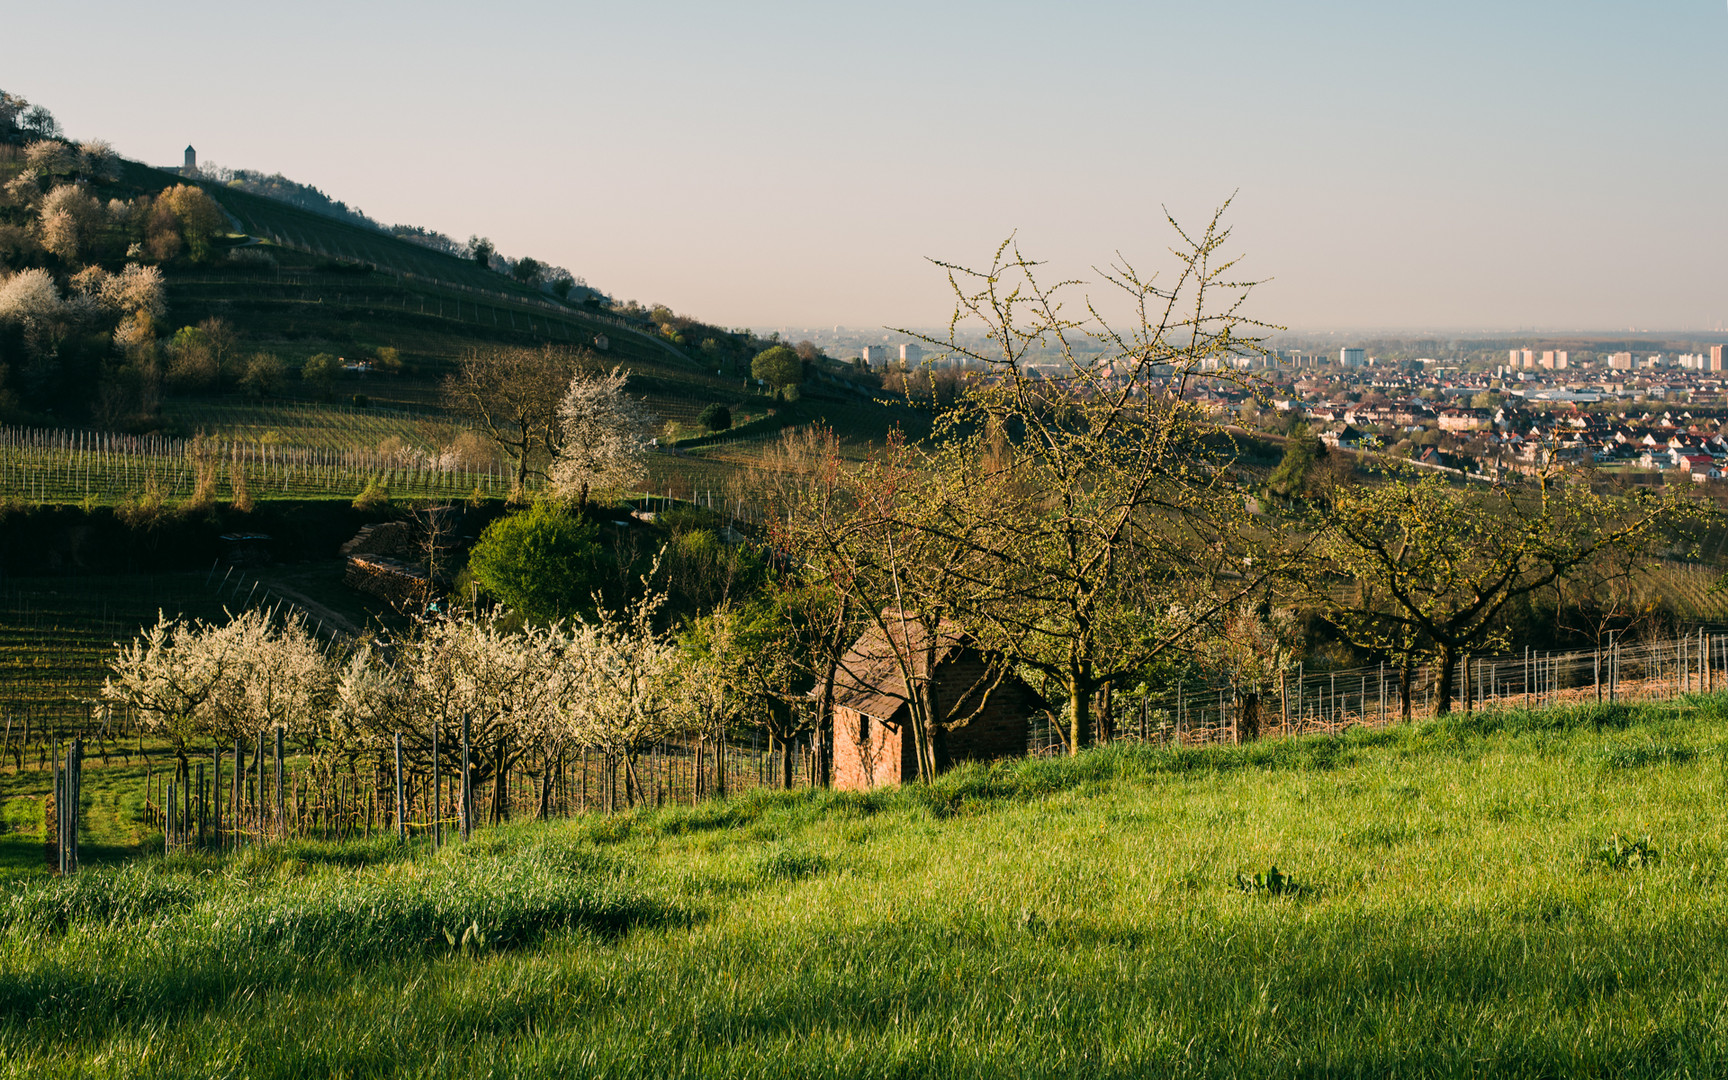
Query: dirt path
point(313, 608)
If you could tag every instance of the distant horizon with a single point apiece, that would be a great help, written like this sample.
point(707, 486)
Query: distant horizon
point(753, 165)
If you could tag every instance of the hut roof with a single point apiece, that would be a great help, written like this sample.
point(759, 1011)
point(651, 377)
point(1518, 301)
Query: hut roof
point(870, 679)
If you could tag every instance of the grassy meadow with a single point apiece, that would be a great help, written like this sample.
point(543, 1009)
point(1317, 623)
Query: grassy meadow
point(1509, 894)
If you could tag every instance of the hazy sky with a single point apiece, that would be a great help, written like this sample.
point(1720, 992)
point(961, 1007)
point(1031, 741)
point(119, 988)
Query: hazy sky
point(1400, 165)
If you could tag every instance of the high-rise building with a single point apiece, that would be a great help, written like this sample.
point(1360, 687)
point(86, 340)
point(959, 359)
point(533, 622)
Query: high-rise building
point(874, 355)
point(1620, 361)
point(1348, 357)
point(1715, 358)
point(911, 355)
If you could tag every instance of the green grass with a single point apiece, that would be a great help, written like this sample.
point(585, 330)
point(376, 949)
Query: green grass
point(113, 803)
point(1466, 907)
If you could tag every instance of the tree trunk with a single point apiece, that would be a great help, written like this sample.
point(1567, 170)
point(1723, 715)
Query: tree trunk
point(632, 781)
point(544, 810)
point(720, 764)
point(1079, 715)
point(696, 777)
point(1248, 718)
point(786, 764)
point(824, 737)
point(1443, 684)
point(1406, 687)
point(500, 811)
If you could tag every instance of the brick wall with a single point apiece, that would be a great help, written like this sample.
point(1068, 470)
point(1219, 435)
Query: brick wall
point(856, 770)
point(999, 731)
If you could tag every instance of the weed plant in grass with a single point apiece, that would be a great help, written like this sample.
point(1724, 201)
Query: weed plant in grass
point(1512, 894)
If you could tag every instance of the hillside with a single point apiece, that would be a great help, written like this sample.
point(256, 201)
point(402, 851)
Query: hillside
point(1510, 894)
point(269, 287)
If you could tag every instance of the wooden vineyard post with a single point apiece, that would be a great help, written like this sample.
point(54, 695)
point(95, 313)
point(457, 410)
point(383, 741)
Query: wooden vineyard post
point(234, 804)
point(1613, 669)
point(401, 817)
point(1596, 671)
point(258, 786)
point(68, 785)
point(437, 793)
point(281, 823)
point(467, 797)
point(1284, 699)
point(216, 797)
point(59, 817)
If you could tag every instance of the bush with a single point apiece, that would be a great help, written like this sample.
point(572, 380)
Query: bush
point(716, 417)
point(777, 366)
point(543, 563)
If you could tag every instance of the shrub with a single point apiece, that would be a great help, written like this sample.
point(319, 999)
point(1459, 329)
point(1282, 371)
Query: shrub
point(716, 417)
point(542, 562)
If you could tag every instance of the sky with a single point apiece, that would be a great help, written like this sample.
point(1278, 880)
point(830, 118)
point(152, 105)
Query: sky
point(1395, 166)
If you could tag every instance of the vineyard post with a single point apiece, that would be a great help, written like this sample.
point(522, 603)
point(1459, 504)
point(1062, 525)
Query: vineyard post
point(401, 819)
point(437, 792)
point(258, 785)
point(280, 825)
point(77, 772)
point(467, 797)
point(59, 821)
point(234, 804)
point(216, 797)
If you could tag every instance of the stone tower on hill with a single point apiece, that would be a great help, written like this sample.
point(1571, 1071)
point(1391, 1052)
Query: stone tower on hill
point(191, 166)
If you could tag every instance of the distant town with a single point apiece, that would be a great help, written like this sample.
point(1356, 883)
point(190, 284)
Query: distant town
point(1632, 411)
point(1641, 412)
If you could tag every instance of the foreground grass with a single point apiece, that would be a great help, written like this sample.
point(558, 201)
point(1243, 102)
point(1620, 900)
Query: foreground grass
point(1456, 915)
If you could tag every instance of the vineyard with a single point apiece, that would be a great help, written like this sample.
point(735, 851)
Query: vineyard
point(71, 467)
point(57, 635)
point(322, 427)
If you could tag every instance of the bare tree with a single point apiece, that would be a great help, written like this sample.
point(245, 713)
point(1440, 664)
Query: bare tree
point(1087, 524)
point(513, 394)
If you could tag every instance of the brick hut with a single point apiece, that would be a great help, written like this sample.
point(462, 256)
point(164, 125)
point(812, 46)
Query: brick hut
point(988, 710)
